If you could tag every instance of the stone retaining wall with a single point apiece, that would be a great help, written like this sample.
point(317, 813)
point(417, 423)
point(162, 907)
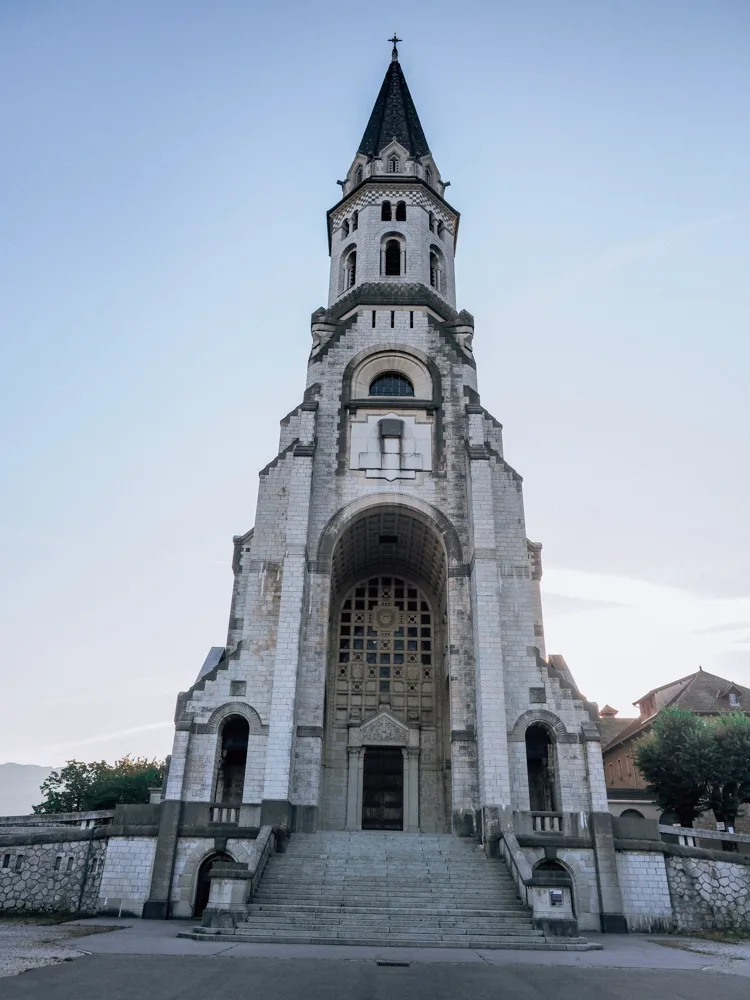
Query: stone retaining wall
point(709, 894)
point(59, 876)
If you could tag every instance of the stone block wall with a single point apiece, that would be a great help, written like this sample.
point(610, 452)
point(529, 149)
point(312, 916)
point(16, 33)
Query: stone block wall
point(60, 876)
point(126, 879)
point(645, 891)
point(709, 894)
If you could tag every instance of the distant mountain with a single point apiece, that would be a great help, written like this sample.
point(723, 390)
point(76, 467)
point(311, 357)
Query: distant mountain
point(19, 787)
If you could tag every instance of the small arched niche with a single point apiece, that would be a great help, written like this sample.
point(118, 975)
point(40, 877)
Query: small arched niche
point(230, 779)
point(437, 269)
point(348, 268)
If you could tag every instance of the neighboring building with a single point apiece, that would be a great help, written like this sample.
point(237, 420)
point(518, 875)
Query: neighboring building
point(699, 692)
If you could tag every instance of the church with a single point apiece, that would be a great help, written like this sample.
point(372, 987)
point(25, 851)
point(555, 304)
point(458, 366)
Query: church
point(383, 753)
point(385, 666)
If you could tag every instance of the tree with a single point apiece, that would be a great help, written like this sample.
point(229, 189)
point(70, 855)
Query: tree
point(675, 759)
point(99, 785)
point(729, 767)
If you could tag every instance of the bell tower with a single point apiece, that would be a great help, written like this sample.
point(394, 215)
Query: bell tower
point(393, 228)
point(385, 666)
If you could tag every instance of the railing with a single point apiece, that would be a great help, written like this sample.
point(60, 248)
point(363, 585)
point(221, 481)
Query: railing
point(263, 847)
point(547, 822)
point(219, 813)
point(518, 866)
point(688, 835)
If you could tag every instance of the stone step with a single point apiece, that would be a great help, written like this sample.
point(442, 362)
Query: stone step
point(425, 928)
point(281, 909)
point(387, 889)
point(494, 942)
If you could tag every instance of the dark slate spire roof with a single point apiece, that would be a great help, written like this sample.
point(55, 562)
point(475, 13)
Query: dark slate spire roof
point(394, 117)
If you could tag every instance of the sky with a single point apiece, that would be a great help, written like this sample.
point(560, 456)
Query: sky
point(165, 174)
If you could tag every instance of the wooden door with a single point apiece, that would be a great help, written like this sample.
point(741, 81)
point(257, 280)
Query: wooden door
point(383, 789)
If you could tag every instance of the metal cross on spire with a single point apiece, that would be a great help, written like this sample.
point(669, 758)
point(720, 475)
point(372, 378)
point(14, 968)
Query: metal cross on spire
point(395, 40)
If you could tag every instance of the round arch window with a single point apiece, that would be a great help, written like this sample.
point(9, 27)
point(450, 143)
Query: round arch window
point(391, 384)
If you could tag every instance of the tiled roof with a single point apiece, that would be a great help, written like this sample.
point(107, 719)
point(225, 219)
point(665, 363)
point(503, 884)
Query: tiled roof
point(701, 692)
point(394, 117)
point(609, 727)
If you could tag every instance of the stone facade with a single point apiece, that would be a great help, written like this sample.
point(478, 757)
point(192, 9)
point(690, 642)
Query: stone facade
point(709, 893)
point(50, 877)
point(126, 879)
point(645, 889)
point(388, 584)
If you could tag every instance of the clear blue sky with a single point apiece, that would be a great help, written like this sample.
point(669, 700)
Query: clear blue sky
point(165, 174)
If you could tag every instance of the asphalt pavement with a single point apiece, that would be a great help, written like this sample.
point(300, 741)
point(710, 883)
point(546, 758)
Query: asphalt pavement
point(124, 977)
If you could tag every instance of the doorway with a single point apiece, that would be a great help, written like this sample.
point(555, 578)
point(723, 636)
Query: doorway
point(203, 888)
point(383, 789)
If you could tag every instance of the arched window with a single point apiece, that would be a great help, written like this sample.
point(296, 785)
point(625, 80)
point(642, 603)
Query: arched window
point(355, 221)
point(431, 222)
point(441, 229)
point(400, 211)
point(394, 165)
point(385, 212)
point(358, 176)
point(391, 384)
point(436, 270)
point(393, 257)
point(632, 814)
point(230, 780)
point(350, 270)
point(344, 229)
point(428, 175)
point(540, 764)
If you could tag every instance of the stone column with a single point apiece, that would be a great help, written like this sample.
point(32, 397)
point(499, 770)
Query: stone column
point(411, 789)
point(463, 734)
point(157, 906)
point(354, 788)
point(605, 861)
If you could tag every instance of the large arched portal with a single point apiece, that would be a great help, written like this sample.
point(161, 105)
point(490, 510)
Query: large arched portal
point(386, 720)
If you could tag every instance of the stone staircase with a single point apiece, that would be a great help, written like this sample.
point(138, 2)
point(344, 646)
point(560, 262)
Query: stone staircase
point(389, 889)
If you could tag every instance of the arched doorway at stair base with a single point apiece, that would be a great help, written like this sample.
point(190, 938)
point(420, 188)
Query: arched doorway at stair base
point(203, 882)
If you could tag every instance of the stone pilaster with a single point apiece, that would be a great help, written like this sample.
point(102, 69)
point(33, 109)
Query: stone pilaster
point(276, 807)
point(494, 769)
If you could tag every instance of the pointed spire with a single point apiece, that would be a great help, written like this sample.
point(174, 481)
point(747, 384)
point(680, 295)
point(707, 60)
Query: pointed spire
point(394, 115)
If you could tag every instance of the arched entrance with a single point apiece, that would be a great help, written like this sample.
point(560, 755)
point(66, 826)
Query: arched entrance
point(203, 882)
point(540, 763)
point(385, 660)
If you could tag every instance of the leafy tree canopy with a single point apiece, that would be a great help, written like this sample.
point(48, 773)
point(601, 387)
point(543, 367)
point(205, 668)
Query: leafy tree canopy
point(99, 785)
point(692, 763)
point(673, 761)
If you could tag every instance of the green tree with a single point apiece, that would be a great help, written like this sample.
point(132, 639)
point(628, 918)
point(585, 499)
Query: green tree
point(675, 759)
point(99, 785)
point(729, 767)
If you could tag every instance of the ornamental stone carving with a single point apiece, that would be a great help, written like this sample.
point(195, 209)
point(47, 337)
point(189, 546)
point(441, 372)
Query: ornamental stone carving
point(384, 729)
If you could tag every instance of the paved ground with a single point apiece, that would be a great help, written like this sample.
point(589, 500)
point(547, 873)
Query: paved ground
point(121, 977)
point(147, 960)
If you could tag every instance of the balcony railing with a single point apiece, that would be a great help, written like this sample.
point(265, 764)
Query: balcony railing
point(547, 822)
point(220, 813)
